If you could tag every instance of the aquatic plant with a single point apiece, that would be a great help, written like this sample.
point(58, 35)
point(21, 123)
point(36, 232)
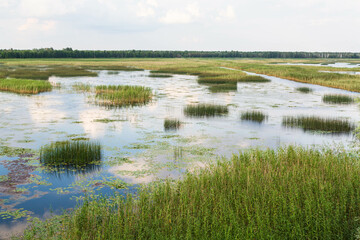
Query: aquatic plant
point(205, 110)
point(255, 116)
point(337, 99)
point(75, 153)
point(252, 78)
point(122, 95)
point(160, 75)
point(82, 87)
point(171, 124)
point(314, 123)
point(304, 89)
point(215, 88)
point(289, 193)
point(25, 86)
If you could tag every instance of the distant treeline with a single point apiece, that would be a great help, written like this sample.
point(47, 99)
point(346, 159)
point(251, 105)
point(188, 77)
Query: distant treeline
point(70, 53)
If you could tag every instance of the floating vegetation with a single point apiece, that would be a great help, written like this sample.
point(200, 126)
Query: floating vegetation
point(337, 99)
point(82, 87)
point(107, 120)
point(171, 124)
point(255, 116)
point(160, 75)
point(304, 89)
point(25, 86)
point(223, 87)
point(318, 124)
point(268, 190)
point(122, 95)
point(74, 153)
point(205, 110)
point(253, 78)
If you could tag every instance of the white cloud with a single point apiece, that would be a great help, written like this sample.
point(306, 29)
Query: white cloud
point(146, 8)
point(46, 8)
point(226, 14)
point(181, 16)
point(35, 24)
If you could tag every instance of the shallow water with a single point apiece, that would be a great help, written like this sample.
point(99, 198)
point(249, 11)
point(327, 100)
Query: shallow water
point(136, 147)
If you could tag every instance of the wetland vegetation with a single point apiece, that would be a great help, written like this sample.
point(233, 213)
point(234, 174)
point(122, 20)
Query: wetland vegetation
point(255, 116)
point(24, 86)
point(205, 110)
point(337, 99)
point(304, 89)
point(171, 124)
point(289, 193)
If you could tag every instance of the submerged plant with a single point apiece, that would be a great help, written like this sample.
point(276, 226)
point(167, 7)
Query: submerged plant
point(313, 123)
point(25, 86)
point(75, 153)
point(255, 116)
point(171, 124)
point(205, 110)
point(337, 99)
point(304, 89)
point(122, 95)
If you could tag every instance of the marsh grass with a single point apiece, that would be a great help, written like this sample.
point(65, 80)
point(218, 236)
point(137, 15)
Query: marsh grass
point(255, 79)
point(70, 153)
point(304, 89)
point(112, 72)
point(171, 124)
point(82, 87)
point(318, 124)
point(289, 193)
point(205, 110)
point(215, 88)
point(255, 116)
point(337, 99)
point(122, 95)
point(25, 86)
point(153, 75)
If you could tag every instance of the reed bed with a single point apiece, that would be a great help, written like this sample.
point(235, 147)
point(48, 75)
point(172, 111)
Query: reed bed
point(205, 110)
point(74, 153)
point(153, 75)
point(123, 95)
point(314, 123)
point(255, 79)
point(304, 89)
point(25, 86)
point(215, 88)
point(337, 99)
point(171, 124)
point(82, 87)
point(289, 193)
point(255, 116)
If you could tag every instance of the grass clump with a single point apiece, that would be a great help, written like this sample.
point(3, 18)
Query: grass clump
point(251, 78)
point(25, 86)
point(255, 116)
point(171, 124)
point(123, 95)
point(304, 89)
point(205, 110)
point(153, 75)
point(313, 123)
point(289, 193)
point(77, 153)
point(82, 87)
point(215, 88)
point(337, 99)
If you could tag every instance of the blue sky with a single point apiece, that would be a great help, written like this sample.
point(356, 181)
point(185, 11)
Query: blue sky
point(245, 25)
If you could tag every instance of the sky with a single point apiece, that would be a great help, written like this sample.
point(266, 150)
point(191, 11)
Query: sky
point(241, 25)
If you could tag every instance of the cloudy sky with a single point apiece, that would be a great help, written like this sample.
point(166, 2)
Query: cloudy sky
point(245, 25)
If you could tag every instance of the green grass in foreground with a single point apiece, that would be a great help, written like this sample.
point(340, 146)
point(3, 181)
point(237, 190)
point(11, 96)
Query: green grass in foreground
point(75, 153)
point(289, 193)
point(24, 86)
point(205, 110)
point(255, 116)
point(304, 89)
point(122, 95)
point(313, 123)
point(337, 99)
point(171, 124)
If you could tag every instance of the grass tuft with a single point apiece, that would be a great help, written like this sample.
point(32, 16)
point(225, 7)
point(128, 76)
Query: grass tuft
point(313, 123)
point(250, 78)
point(205, 110)
point(337, 99)
point(255, 116)
point(25, 86)
point(160, 75)
point(122, 95)
point(304, 89)
point(171, 124)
